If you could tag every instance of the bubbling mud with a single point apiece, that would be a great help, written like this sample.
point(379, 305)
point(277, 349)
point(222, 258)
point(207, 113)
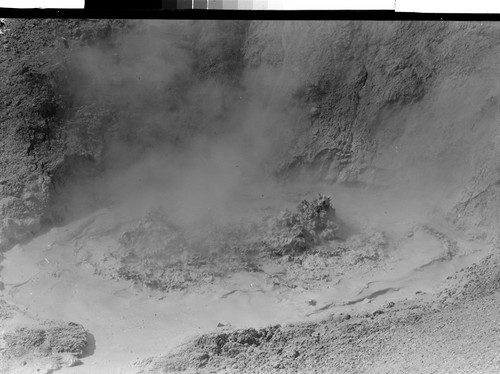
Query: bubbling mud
point(72, 273)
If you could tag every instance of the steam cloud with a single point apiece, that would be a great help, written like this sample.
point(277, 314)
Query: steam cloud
point(191, 139)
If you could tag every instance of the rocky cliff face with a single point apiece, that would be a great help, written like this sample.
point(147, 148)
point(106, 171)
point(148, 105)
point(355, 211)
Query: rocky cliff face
point(413, 104)
point(42, 149)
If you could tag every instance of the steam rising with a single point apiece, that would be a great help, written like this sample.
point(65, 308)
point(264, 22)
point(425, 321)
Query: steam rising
point(190, 140)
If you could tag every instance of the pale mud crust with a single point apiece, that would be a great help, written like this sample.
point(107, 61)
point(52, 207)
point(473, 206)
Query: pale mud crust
point(300, 248)
point(457, 331)
point(32, 345)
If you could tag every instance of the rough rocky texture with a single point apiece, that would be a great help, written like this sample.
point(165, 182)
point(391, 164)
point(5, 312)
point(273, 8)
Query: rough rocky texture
point(164, 256)
point(63, 123)
point(45, 141)
point(351, 72)
point(62, 338)
point(38, 346)
point(445, 333)
point(312, 223)
point(71, 104)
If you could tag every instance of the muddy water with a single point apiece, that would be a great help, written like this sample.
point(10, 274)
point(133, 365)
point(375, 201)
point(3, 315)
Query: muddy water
point(50, 278)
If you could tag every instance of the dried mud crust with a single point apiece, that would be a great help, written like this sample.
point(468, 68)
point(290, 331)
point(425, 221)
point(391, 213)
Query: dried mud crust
point(163, 256)
point(454, 331)
point(312, 223)
point(45, 340)
point(38, 346)
point(302, 244)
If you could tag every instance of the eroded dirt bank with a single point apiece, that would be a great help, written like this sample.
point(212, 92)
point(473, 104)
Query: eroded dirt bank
point(160, 187)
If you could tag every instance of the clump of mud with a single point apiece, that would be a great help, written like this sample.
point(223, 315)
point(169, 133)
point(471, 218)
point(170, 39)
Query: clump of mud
point(46, 340)
point(312, 223)
point(41, 347)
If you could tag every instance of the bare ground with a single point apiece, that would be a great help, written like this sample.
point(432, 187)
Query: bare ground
point(456, 331)
point(371, 303)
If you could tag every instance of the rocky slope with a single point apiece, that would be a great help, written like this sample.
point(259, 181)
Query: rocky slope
point(42, 146)
point(348, 94)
